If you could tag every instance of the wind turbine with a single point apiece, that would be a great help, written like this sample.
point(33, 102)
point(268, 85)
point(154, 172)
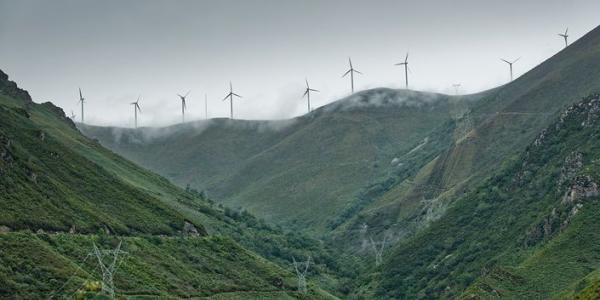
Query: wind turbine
point(230, 96)
point(456, 87)
point(82, 101)
point(73, 115)
point(351, 71)
point(307, 93)
point(136, 108)
point(565, 36)
point(511, 66)
point(405, 64)
point(183, 107)
point(206, 106)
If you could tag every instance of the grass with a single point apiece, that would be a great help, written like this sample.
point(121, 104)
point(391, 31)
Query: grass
point(488, 244)
point(55, 180)
point(298, 173)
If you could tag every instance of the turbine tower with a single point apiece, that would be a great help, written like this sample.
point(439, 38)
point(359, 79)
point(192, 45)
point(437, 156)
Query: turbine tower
point(565, 36)
point(183, 107)
point(230, 96)
point(307, 93)
point(456, 87)
point(136, 108)
point(351, 72)
point(405, 64)
point(510, 64)
point(206, 106)
point(82, 101)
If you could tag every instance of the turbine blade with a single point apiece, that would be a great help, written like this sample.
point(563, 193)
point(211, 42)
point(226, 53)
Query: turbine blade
point(236, 95)
point(566, 31)
point(305, 93)
point(350, 62)
point(357, 71)
point(406, 58)
point(313, 90)
point(347, 73)
point(516, 60)
point(228, 95)
point(186, 94)
point(504, 60)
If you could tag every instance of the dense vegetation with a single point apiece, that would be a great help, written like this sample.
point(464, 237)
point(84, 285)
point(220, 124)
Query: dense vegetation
point(475, 204)
point(298, 173)
point(61, 192)
point(529, 231)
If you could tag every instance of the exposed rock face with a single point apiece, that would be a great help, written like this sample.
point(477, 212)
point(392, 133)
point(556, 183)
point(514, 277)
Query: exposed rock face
point(583, 187)
point(190, 230)
point(11, 89)
point(589, 109)
point(573, 163)
point(5, 229)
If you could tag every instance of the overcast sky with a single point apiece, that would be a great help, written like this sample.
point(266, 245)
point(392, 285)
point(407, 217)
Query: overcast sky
point(115, 50)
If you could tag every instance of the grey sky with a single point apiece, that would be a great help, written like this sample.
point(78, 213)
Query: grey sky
point(116, 50)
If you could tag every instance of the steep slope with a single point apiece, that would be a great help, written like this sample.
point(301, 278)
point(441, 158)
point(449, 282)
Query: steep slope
point(500, 124)
point(73, 193)
point(530, 232)
point(300, 172)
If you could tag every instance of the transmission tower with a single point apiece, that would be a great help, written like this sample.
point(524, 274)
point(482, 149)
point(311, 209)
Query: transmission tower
point(363, 236)
point(301, 271)
point(108, 269)
point(377, 248)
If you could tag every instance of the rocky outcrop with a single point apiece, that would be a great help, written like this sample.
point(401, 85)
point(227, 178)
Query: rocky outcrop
point(573, 163)
point(582, 187)
point(589, 110)
point(190, 230)
point(11, 89)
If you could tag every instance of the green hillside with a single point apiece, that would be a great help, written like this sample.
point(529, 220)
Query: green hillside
point(300, 172)
point(61, 192)
point(391, 159)
point(531, 231)
point(499, 125)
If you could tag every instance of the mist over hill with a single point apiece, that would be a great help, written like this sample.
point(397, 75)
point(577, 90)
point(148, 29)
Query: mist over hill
point(475, 196)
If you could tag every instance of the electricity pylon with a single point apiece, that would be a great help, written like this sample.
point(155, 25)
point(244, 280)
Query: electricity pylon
point(108, 270)
point(301, 268)
point(363, 236)
point(378, 250)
